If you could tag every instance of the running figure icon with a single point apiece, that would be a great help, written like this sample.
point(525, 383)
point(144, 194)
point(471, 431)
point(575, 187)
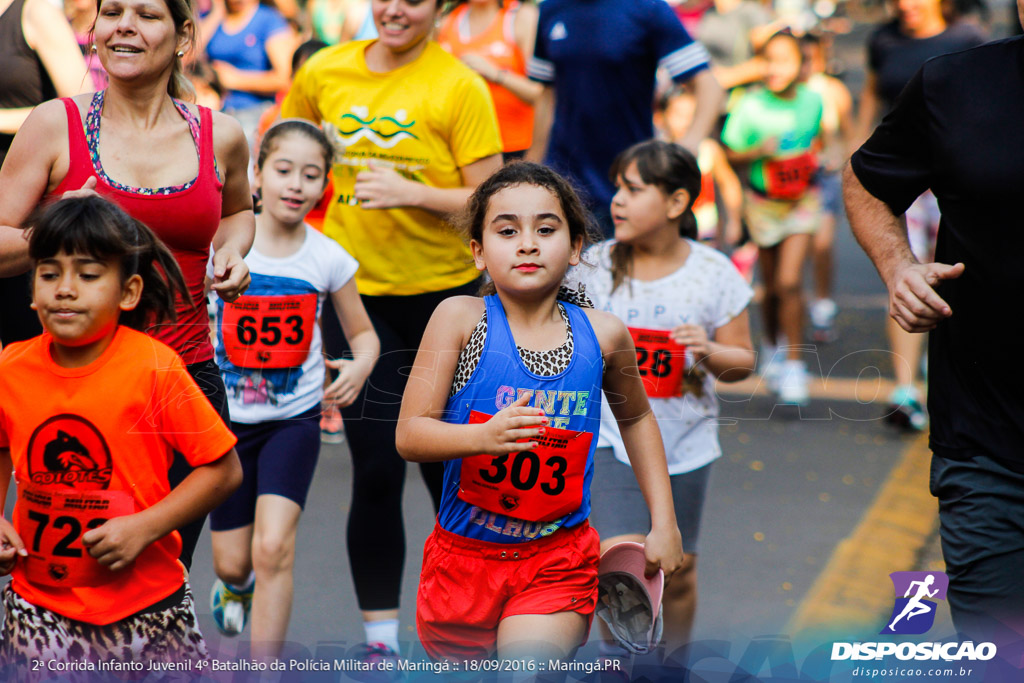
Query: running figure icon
point(915, 606)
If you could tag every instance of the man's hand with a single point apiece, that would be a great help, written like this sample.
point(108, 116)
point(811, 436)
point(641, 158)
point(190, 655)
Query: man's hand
point(913, 302)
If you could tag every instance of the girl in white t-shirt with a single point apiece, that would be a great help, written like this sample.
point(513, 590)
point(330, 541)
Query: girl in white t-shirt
point(672, 292)
point(269, 351)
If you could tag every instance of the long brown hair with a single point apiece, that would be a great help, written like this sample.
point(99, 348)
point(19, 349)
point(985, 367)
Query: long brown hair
point(668, 166)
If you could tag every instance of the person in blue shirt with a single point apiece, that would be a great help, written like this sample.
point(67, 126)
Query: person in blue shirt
point(598, 60)
point(250, 48)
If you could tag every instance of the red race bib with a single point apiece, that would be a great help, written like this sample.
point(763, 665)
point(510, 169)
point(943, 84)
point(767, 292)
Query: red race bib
point(789, 178)
point(537, 486)
point(269, 331)
point(661, 362)
point(52, 521)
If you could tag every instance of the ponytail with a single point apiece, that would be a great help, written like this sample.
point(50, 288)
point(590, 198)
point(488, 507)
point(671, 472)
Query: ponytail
point(688, 223)
point(162, 282)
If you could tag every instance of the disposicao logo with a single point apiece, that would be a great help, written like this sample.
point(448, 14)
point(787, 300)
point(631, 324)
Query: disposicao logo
point(913, 614)
point(916, 592)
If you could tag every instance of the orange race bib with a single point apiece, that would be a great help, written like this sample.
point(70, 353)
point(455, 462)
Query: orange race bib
point(52, 521)
point(537, 486)
point(789, 178)
point(661, 361)
point(269, 331)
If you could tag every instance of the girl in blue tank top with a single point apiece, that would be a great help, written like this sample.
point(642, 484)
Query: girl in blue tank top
point(511, 567)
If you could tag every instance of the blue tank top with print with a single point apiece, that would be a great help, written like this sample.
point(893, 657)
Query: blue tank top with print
point(571, 400)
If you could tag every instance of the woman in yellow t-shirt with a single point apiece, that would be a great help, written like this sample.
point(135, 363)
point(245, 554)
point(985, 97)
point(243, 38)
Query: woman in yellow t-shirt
point(414, 132)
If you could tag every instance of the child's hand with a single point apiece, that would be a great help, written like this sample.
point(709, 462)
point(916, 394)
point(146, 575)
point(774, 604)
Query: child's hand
point(118, 541)
point(501, 432)
point(11, 547)
point(663, 548)
point(343, 391)
point(694, 338)
point(87, 190)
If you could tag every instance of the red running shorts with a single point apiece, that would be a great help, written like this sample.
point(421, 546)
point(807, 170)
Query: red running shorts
point(467, 587)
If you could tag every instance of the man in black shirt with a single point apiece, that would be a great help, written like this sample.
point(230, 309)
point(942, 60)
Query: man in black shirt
point(956, 130)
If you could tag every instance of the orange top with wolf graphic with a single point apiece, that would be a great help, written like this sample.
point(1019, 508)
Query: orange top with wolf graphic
point(93, 443)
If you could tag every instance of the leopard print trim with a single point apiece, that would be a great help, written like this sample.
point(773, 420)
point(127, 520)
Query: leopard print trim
point(34, 634)
point(576, 296)
point(543, 363)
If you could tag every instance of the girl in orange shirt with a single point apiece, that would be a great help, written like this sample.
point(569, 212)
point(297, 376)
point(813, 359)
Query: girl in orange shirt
point(97, 577)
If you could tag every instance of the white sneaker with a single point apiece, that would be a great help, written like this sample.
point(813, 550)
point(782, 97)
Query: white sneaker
point(770, 362)
point(793, 383)
point(823, 320)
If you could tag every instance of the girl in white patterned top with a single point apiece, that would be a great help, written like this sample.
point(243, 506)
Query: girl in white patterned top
point(672, 292)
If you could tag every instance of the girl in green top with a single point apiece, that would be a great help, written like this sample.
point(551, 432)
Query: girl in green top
point(775, 133)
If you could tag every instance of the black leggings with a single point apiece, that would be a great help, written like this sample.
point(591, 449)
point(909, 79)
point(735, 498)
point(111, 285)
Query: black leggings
point(376, 532)
point(207, 376)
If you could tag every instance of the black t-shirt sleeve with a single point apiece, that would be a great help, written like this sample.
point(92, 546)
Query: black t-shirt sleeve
point(895, 164)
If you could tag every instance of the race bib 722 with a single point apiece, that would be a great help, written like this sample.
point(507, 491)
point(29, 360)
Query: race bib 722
point(51, 523)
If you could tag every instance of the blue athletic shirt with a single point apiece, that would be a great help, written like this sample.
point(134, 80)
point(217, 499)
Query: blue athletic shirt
point(571, 399)
point(602, 57)
point(246, 50)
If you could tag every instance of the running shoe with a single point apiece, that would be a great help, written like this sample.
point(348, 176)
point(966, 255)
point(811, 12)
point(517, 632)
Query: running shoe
point(769, 363)
point(332, 427)
point(377, 656)
point(793, 383)
point(906, 409)
point(230, 608)
point(823, 320)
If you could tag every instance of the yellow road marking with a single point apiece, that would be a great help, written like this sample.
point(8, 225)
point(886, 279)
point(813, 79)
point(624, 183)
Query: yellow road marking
point(854, 589)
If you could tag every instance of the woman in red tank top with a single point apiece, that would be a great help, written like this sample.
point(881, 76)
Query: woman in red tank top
point(495, 38)
point(178, 168)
